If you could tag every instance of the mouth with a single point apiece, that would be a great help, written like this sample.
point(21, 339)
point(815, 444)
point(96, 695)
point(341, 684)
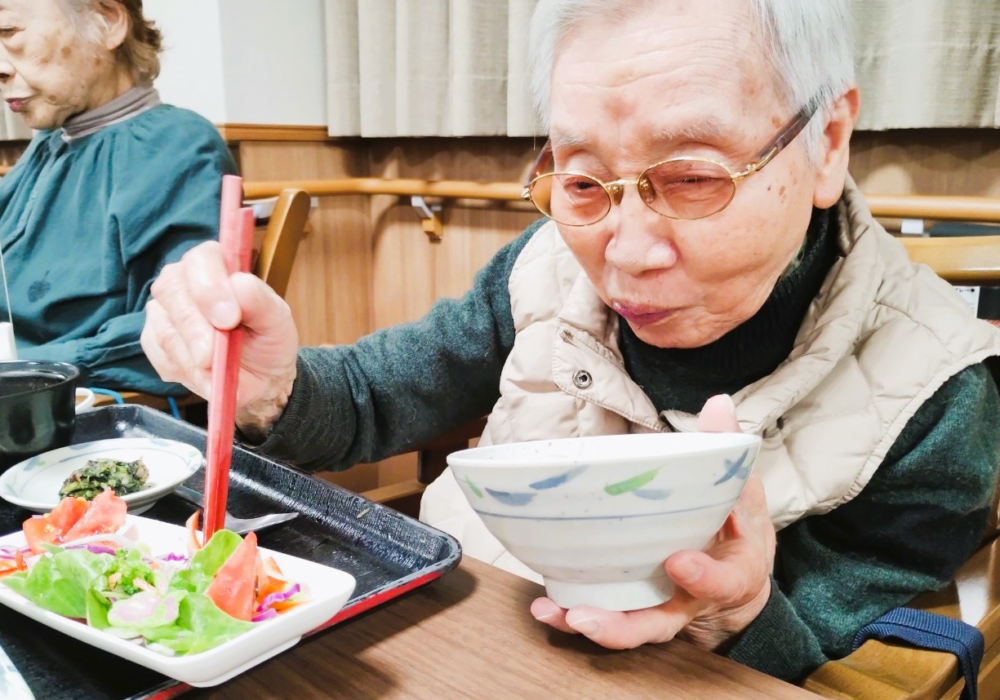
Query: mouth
point(16, 104)
point(640, 314)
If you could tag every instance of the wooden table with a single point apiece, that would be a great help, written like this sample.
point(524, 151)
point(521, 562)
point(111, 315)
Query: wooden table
point(470, 635)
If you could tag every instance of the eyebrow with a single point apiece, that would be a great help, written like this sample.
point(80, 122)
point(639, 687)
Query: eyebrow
point(705, 131)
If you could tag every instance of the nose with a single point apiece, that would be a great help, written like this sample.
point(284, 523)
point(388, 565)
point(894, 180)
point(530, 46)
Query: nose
point(641, 240)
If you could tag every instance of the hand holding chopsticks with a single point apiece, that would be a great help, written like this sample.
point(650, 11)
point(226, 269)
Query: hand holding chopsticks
point(227, 337)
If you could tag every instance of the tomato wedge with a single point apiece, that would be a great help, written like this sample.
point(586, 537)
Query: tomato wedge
point(50, 528)
point(232, 589)
point(39, 531)
point(106, 514)
point(68, 512)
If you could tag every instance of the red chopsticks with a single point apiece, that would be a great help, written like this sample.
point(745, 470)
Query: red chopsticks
point(236, 236)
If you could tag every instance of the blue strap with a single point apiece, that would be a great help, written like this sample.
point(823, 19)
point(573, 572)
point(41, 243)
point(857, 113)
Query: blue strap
point(119, 399)
point(932, 631)
point(108, 392)
point(173, 407)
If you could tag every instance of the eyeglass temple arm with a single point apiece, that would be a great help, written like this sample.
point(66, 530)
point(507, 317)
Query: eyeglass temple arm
point(787, 135)
point(541, 163)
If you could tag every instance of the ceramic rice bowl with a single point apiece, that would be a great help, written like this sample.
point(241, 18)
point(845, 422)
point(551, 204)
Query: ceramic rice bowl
point(598, 516)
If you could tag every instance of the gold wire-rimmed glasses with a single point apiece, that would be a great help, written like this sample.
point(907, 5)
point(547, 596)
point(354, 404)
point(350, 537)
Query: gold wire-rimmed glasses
point(678, 188)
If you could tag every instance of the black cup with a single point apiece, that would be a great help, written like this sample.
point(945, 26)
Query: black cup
point(37, 408)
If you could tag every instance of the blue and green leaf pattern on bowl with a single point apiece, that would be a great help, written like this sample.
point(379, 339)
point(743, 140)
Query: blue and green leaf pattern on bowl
point(558, 480)
point(632, 484)
point(736, 468)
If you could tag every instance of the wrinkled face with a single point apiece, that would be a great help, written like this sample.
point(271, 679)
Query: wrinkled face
point(49, 70)
point(679, 79)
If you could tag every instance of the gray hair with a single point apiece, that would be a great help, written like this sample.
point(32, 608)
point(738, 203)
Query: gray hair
point(139, 52)
point(809, 44)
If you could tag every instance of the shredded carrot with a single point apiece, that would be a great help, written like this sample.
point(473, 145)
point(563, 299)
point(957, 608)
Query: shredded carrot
point(286, 605)
point(194, 544)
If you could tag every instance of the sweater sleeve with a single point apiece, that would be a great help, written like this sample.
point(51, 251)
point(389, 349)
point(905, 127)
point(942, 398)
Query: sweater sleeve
point(919, 519)
point(403, 385)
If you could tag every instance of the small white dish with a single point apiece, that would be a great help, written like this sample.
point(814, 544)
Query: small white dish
point(34, 483)
point(328, 589)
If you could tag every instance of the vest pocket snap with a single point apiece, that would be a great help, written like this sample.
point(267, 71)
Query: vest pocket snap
point(582, 379)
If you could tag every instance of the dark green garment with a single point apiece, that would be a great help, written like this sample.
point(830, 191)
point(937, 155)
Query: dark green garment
point(920, 517)
point(86, 226)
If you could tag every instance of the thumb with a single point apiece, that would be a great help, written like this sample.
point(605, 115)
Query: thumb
point(263, 311)
point(718, 416)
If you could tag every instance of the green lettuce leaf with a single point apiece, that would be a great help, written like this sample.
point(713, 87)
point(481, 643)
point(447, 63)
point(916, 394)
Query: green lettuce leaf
point(199, 626)
point(206, 562)
point(97, 609)
point(59, 582)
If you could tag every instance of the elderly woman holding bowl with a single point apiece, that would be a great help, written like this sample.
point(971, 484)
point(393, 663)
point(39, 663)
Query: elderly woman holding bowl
point(113, 186)
point(712, 265)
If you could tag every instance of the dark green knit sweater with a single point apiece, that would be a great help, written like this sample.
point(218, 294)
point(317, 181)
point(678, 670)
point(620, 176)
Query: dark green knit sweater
point(919, 518)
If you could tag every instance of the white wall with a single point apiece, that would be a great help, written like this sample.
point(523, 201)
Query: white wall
point(191, 74)
point(274, 61)
point(244, 61)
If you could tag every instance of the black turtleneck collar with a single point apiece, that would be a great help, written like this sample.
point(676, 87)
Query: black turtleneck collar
point(684, 379)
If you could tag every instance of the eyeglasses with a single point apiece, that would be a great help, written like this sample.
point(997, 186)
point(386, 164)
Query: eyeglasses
point(679, 188)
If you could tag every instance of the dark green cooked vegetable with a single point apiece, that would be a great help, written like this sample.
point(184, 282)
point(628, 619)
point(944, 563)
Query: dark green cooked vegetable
point(98, 474)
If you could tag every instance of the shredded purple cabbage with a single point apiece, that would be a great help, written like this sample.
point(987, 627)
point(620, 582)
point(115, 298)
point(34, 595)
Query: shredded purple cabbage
point(174, 557)
point(266, 615)
point(93, 548)
point(10, 552)
point(278, 597)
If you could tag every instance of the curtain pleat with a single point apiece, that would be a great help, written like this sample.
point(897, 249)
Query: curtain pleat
point(459, 67)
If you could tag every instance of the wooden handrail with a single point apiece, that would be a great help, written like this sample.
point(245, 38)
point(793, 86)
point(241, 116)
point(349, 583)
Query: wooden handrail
point(984, 209)
point(937, 208)
point(447, 189)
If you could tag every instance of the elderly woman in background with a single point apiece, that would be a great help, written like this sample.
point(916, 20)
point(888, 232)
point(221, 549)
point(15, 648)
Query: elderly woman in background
point(114, 186)
point(706, 262)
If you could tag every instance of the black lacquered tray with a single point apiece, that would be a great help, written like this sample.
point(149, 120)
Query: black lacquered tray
point(388, 553)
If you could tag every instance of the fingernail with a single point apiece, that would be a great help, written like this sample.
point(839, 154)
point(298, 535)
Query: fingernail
point(686, 570)
point(587, 626)
point(730, 405)
point(224, 314)
point(543, 609)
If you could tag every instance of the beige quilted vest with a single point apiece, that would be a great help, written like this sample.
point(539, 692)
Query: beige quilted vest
point(880, 338)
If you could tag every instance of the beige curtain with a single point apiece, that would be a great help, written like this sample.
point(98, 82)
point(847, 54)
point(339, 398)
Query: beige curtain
point(458, 67)
point(12, 127)
point(928, 63)
point(428, 68)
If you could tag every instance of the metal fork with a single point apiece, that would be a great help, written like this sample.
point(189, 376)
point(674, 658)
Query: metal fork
point(240, 526)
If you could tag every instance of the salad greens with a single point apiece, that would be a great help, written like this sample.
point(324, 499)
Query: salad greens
point(161, 602)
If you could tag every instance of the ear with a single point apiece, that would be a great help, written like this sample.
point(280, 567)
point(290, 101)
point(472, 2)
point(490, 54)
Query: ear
point(116, 23)
point(835, 150)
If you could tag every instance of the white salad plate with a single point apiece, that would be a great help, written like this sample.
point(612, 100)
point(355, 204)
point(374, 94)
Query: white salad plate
point(34, 483)
point(327, 591)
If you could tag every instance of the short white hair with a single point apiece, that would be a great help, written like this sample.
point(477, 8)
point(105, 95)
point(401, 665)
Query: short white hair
point(809, 44)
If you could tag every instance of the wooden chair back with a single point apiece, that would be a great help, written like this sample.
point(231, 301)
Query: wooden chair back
point(972, 260)
point(285, 231)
